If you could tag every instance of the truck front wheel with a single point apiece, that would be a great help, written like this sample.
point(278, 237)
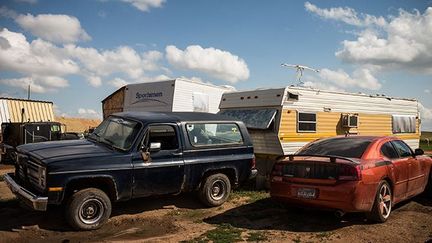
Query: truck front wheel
point(88, 209)
point(215, 190)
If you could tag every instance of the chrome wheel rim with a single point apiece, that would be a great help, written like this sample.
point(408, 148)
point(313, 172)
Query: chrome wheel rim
point(91, 211)
point(385, 203)
point(217, 190)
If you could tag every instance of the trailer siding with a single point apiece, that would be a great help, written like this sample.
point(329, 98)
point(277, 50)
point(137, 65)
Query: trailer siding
point(34, 110)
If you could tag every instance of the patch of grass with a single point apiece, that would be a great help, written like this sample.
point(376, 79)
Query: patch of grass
point(224, 233)
point(425, 146)
point(256, 236)
point(1, 178)
point(323, 235)
point(190, 214)
point(252, 196)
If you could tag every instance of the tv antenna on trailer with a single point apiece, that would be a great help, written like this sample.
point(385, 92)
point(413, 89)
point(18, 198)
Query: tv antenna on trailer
point(299, 70)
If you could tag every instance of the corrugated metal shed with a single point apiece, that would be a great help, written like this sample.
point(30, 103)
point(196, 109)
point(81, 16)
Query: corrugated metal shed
point(18, 110)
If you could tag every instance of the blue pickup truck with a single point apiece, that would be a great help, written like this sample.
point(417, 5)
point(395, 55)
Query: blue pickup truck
point(131, 155)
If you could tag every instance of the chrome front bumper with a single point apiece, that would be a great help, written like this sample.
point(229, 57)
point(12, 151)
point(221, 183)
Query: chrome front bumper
point(30, 199)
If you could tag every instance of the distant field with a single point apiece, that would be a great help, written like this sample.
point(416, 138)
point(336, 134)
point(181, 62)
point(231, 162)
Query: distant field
point(423, 142)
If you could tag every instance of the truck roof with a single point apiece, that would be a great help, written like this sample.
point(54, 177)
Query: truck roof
point(147, 117)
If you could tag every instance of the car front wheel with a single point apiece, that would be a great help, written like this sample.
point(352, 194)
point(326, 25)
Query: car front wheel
point(215, 190)
point(383, 203)
point(88, 209)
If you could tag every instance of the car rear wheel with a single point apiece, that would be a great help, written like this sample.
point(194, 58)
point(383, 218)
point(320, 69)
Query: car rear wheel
point(88, 209)
point(383, 203)
point(215, 190)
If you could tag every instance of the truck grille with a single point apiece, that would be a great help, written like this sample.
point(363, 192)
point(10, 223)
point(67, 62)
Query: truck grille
point(28, 171)
point(311, 170)
point(33, 173)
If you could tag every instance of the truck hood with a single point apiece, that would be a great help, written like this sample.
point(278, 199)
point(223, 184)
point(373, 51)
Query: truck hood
point(48, 152)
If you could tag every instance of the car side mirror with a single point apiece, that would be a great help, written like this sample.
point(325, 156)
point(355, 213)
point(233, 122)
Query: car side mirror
point(418, 151)
point(155, 147)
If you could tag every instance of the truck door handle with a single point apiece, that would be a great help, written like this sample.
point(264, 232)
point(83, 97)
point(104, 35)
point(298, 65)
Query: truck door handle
point(177, 154)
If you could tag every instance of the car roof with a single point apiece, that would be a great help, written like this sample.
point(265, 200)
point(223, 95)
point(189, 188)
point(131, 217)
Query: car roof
point(361, 137)
point(147, 117)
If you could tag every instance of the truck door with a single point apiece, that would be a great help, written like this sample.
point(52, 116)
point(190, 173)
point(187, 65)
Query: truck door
point(163, 171)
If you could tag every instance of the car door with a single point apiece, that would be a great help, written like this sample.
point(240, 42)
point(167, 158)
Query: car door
point(415, 174)
point(163, 172)
point(399, 171)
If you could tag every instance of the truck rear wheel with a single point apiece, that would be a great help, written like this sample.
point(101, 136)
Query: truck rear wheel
point(88, 209)
point(215, 190)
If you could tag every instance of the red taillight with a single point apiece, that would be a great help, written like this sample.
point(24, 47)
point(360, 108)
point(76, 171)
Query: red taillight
point(277, 169)
point(349, 172)
point(253, 163)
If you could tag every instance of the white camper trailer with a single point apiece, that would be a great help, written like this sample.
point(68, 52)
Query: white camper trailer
point(281, 121)
point(171, 95)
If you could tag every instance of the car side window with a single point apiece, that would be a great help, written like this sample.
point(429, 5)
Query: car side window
point(402, 149)
point(388, 151)
point(164, 134)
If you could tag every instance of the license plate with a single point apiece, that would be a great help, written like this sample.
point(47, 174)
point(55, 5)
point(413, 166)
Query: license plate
point(309, 193)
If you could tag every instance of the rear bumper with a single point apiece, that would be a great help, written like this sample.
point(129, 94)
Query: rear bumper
point(350, 196)
point(35, 202)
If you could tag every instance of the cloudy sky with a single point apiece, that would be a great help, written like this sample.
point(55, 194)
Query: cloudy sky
point(75, 53)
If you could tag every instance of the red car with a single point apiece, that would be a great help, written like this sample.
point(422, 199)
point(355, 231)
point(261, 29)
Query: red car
point(352, 174)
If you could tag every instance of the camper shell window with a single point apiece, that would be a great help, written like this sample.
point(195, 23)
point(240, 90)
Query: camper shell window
point(306, 122)
point(404, 124)
point(208, 134)
point(253, 119)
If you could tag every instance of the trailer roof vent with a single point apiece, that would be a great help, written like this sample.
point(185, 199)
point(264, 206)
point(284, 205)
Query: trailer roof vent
point(292, 96)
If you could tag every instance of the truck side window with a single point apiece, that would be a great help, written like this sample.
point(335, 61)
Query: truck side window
point(213, 134)
point(164, 134)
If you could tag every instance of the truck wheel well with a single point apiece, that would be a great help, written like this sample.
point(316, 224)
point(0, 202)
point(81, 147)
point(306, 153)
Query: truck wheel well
point(103, 183)
point(229, 172)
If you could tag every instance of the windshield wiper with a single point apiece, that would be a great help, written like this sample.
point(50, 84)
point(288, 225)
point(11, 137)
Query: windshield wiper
point(111, 143)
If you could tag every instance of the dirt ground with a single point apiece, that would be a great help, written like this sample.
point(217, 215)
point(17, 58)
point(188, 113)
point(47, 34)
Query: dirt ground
point(247, 216)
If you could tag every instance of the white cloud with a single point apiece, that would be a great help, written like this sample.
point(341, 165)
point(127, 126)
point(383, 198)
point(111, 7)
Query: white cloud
point(145, 5)
point(346, 15)
point(123, 59)
point(322, 85)
point(88, 113)
point(118, 82)
point(427, 91)
point(398, 42)
point(94, 81)
point(360, 78)
point(36, 58)
point(38, 84)
point(27, 1)
point(57, 28)
point(214, 62)
point(426, 116)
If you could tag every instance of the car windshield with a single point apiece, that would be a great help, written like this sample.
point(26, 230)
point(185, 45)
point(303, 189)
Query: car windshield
point(117, 132)
point(350, 147)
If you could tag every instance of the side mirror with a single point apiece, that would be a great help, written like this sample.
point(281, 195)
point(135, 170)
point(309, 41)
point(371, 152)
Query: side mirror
point(155, 147)
point(418, 151)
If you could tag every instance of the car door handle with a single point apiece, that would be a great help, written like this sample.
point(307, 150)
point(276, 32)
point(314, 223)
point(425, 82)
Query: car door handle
point(177, 154)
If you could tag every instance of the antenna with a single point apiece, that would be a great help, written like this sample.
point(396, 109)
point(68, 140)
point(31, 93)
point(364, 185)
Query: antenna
point(299, 70)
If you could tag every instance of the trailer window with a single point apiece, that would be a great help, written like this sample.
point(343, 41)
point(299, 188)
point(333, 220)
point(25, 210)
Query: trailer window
point(213, 134)
point(404, 124)
point(306, 122)
point(254, 119)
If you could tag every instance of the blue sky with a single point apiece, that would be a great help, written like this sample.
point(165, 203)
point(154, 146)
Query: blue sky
point(75, 53)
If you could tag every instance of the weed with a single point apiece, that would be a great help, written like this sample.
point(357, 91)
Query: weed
point(256, 236)
point(297, 239)
point(224, 233)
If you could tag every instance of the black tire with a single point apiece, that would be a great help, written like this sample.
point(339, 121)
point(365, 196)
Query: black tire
point(383, 203)
point(88, 209)
point(215, 190)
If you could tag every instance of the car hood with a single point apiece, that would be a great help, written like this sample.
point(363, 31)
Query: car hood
point(48, 152)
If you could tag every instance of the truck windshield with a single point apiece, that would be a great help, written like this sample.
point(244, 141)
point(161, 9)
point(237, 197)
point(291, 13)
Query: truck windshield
point(117, 132)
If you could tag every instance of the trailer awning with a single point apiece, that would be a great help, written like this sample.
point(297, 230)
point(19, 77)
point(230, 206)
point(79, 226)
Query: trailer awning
point(253, 118)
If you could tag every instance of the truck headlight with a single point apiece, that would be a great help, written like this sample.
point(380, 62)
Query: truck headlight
point(42, 177)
